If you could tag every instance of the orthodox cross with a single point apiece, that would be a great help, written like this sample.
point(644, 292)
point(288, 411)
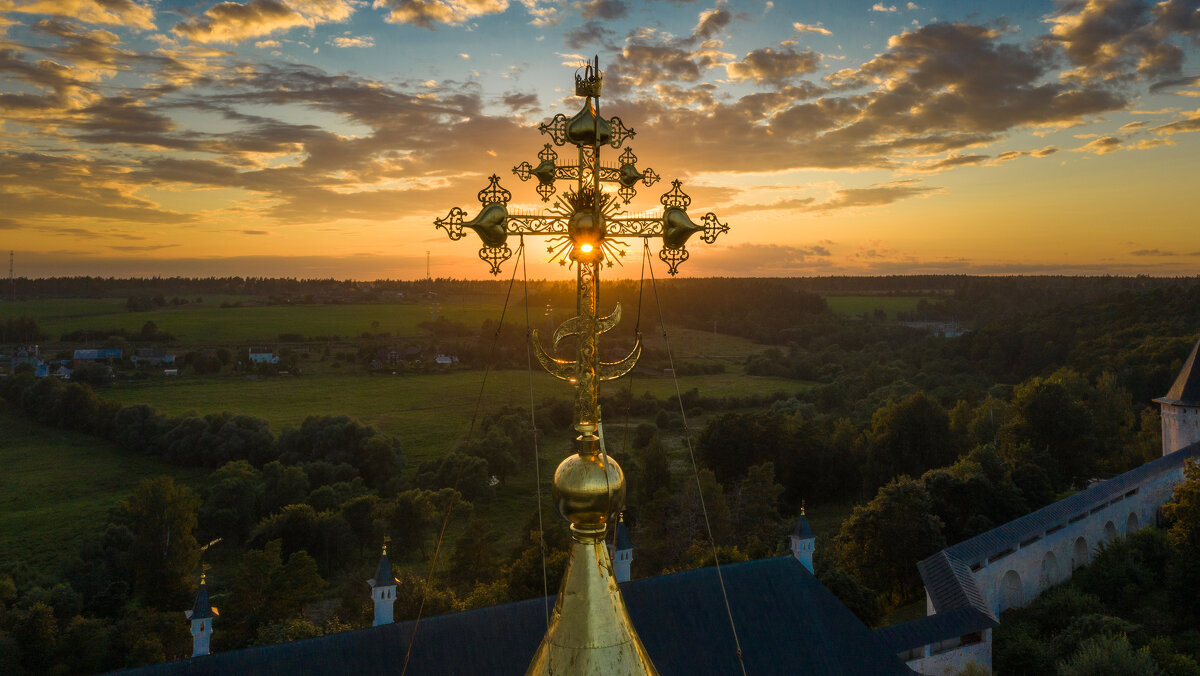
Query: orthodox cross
point(586, 229)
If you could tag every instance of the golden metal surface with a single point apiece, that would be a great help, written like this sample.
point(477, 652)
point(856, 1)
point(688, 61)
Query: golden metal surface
point(590, 631)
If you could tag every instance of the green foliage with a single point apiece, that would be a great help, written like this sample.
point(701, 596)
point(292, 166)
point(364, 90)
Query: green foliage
point(164, 556)
point(756, 518)
point(465, 473)
point(908, 436)
point(860, 599)
point(881, 540)
point(475, 553)
point(1108, 655)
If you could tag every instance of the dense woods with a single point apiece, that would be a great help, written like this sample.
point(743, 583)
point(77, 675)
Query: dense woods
point(934, 438)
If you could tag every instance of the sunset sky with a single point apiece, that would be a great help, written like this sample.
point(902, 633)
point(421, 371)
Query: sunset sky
point(317, 138)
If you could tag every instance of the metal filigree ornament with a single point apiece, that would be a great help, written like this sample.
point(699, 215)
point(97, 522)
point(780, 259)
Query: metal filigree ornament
point(590, 630)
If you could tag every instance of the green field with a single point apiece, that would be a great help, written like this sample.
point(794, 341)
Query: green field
point(856, 306)
point(430, 414)
point(210, 324)
point(57, 487)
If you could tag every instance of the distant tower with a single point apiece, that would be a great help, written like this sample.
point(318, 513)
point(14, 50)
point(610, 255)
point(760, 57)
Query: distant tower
point(383, 590)
point(201, 615)
point(1181, 407)
point(622, 553)
point(804, 541)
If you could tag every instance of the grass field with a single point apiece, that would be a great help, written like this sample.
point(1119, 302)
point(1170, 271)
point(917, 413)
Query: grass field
point(57, 487)
point(210, 324)
point(431, 414)
point(855, 306)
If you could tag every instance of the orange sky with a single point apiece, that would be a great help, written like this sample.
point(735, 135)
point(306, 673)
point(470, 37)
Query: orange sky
point(322, 137)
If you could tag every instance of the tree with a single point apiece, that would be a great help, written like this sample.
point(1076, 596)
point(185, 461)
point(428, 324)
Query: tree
point(497, 449)
point(1108, 655)
point(475, 553)
point(756, 517)
point(881, 542)
point(267, 590)
point(465, 473)
point(162, 515)
point(908, 436)
point(861, 600)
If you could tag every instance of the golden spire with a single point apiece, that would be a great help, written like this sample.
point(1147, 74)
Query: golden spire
point(590, 631)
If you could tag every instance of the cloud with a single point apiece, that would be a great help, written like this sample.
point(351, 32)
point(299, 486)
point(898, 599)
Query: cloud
point(1101, 146)
point(255, 232)
point(811, 28)
point(768, 66)
point(874, 196)
point(234, 22)
point(143, 248)
point(1159, 252)
point(763, 260)
point(604, 9)
point(426, 13)
point(9, 224)
point(353, 41)
point(1112, 40)
point(880, 7)
point(1189, 124)
point(520, 101)
point(108, 12)
point(950, 162)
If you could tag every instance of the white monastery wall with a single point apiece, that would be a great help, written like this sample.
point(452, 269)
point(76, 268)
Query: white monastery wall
point(1015, 578)
point(953, 660)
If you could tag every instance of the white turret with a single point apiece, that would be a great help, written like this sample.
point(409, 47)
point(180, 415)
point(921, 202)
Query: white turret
point(622, 553)
point(804, 541)
point(383, 590)
point(201, 615)
point(1181, 407)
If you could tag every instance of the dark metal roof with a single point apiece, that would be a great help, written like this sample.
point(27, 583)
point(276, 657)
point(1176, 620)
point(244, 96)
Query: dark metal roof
point(622, 537)
point(1009, 535)
point(202, 609)
point(1186, 390)
point(787, 623)
point(934, 628)
point(803, 530)
point(950, 585)
point(383, 574)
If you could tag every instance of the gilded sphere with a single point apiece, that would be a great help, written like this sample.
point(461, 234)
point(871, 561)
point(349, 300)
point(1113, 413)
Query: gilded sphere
point(588, 490)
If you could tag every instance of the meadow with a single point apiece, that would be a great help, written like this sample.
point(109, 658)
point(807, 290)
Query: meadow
point(857, 306)
point(57, 488)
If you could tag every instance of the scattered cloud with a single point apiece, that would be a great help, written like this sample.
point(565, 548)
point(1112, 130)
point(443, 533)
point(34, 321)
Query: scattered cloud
point(1101, 146)
point(109, 12)
point(427, 13)
point(604, 9)
point(880, 7)
point(811, 28)
point(233, 22)
point(773, 67)
point(353, 41)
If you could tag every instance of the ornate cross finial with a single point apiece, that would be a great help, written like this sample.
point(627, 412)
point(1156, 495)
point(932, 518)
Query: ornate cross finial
point(590, 631)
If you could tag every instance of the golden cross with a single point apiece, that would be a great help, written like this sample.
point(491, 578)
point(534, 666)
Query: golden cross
point(586, 227)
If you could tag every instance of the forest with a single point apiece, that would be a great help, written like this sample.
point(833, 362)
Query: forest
point(934, 439)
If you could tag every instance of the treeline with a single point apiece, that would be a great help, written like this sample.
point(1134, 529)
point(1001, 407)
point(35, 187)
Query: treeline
point(1140, 338)
point(929, 476)
point(1132, 610)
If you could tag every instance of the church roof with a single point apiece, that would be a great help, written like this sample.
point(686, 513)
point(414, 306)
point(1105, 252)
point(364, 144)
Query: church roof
point(1186, 389)
point(803, 531)
point(202, 609)
point(383, 573)
point(787, 623)
point(933, 628)
point(622, 537)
